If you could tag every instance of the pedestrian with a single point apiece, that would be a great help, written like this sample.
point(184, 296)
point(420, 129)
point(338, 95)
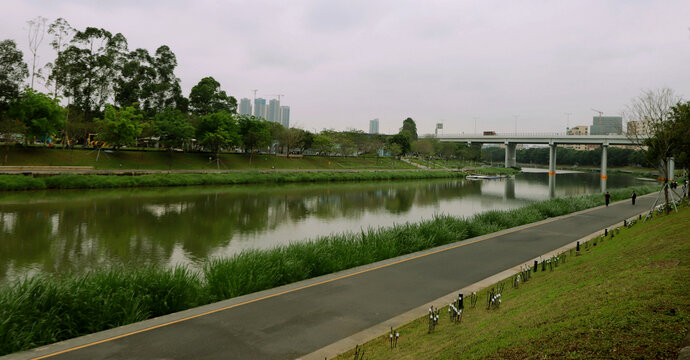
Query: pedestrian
point(634, 196)
point(607, 197)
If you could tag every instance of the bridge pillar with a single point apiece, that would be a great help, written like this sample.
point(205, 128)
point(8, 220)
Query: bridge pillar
point(604, 158)
point(510, 154)
point(552, 187)
point(510, 188)
point(552, 159)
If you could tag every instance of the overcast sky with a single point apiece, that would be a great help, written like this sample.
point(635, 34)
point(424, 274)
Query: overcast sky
point(342, 63)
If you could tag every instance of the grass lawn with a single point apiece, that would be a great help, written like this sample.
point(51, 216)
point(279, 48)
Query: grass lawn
point(626, 298)
point(161, 160)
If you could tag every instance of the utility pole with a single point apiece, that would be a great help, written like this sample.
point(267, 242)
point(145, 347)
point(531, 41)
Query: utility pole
point(255, 94)
point(475, 124)
point(516, 118)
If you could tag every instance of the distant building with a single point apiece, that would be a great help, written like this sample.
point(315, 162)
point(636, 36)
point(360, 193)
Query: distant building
point(273, 112)
point(633, 128)
point(245, 106)
point(606, 125)
point(577, 130)
point(374, 126)
point(285, 116)
point(260, 108)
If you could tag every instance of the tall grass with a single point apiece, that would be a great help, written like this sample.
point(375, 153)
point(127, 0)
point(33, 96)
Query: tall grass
point(71, 181)
point(43, 309)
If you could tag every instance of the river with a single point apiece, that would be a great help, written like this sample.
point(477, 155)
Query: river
point(77, 230)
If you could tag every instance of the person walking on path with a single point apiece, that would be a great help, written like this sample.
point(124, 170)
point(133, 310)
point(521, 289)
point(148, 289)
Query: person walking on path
point(634, 196)
point(607, 197)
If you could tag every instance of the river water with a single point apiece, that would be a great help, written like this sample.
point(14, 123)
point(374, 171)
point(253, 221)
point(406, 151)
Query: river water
point(77, 230)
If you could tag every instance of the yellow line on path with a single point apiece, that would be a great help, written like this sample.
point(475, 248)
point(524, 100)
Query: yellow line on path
point(464, 243)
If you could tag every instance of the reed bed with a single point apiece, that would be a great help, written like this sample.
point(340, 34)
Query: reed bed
point(46, 309)
point(72, 181)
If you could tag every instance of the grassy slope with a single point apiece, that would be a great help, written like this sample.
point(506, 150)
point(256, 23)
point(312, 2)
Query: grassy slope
point(160, 160)
point(625, 298)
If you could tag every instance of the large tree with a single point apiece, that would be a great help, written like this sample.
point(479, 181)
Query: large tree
point(119, 127)
point(41, 115)
point(173, 128)
point(217, 131)
point(206, 98)
point(89, 67)
point(61, 32)
point(651, 112)
point(255, 134)
point(680, 115)
point(13, 71)
point(409, 128)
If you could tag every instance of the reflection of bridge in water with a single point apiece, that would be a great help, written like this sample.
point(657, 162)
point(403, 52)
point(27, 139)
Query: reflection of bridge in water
point(553, 140)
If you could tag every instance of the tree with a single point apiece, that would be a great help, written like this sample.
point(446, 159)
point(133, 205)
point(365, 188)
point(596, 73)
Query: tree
point(13, 71)
point(42, 116)
point(323, 144)
point(680, 115)
point(119, 127)
point(37, 31)
point(410, 128)
point(61, 31)
point(255, 134)
point(217, 131)
point(89, 67)
point(424, 147)
point(652, 113)
point(173, 129)
point(402, 141)
point(289, 138)
point(206, 97)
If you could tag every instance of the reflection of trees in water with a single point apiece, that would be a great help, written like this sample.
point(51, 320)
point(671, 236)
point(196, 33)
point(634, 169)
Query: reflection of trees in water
point(71, 236)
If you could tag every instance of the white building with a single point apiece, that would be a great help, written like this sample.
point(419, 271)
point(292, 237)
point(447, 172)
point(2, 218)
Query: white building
point(245, 106)
point(374, 126)
point(273, 112)
point(285, 116)
point(260, 108)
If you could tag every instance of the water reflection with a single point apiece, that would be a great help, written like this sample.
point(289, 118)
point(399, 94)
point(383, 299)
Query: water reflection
point(72, 231)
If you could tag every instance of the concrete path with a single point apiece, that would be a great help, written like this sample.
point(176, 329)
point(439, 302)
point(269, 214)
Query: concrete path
point(295, 320)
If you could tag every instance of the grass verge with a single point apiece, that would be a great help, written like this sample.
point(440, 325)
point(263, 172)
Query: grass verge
point(71, 181)
point(46, 309)
point(626, 298)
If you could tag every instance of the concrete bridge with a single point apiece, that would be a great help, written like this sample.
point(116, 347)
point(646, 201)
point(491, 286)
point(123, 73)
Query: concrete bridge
point(552, 139)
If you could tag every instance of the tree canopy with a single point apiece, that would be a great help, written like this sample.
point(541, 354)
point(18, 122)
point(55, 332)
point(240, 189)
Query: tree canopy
point(206, 97)
point(119, 127)
point(41, 115)
point(13, 71)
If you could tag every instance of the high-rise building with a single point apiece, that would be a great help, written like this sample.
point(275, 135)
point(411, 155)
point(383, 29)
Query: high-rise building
point(285, 116)
point(245, 106)
point(374, 126)
point(273, 113)
point(606, 125)
point(260, 108)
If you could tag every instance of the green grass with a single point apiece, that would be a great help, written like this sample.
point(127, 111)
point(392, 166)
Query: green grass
point(47, 309)
point(496, 171)
point(74, 181)
point(161, 160)
point(626, 298)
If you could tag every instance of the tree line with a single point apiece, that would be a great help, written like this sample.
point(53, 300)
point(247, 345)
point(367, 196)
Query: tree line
point(118, 97)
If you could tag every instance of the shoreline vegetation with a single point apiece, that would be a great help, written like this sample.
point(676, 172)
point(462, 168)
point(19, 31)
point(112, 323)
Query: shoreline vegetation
point(78, 181)
point(621, 297)
point(45, 309)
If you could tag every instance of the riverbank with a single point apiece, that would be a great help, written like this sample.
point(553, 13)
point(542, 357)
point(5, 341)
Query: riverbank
point(48, 309)
point(163, 160)
point(626, 297)
point(73, 181)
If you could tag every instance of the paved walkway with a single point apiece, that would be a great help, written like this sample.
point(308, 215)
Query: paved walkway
point(298, 319)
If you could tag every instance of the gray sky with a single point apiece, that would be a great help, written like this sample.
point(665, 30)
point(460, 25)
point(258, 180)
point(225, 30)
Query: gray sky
point(342, 63)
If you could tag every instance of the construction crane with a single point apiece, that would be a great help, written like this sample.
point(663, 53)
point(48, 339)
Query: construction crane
point(255, 94)
point(600, 114)
point(277, 95)
point(567, 121)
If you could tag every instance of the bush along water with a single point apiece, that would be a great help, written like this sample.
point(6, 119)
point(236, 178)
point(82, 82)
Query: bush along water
point(72, 181)
point(46, 309)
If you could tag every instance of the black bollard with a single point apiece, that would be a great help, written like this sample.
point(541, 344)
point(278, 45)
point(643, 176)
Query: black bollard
point(535, 265)
point(625, 222)
point(577, 249)
point(543, 266)
point(606, 232)
point(460, 302)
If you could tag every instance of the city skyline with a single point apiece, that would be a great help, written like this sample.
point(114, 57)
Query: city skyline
point(343, 64)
